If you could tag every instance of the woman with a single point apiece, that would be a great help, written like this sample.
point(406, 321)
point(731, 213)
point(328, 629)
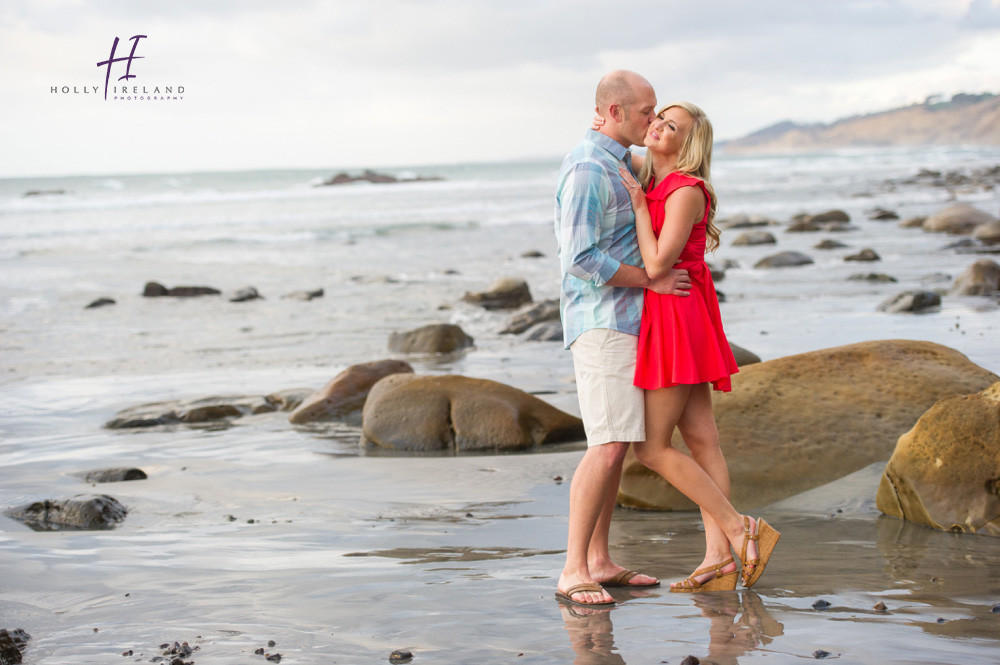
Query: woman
point(682, 347)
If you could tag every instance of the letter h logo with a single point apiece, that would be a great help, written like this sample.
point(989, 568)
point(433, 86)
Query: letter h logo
point(128, 66)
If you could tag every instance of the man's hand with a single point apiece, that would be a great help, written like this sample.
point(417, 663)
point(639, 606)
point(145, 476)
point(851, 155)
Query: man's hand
point(677, 282)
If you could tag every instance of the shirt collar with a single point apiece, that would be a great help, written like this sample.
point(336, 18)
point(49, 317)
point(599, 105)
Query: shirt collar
point(608, 143)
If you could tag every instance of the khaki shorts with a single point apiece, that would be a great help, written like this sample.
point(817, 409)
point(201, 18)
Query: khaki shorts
point(610, 404)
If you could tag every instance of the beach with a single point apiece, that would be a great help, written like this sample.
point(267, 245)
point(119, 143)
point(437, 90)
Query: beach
point(262, 531)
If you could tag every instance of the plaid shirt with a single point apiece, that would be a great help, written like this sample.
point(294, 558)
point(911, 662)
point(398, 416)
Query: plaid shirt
point(595, 230)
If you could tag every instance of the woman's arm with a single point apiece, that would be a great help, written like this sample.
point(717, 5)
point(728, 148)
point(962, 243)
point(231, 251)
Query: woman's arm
point(683, 208)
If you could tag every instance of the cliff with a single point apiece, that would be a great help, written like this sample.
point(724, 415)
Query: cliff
point(964, 120)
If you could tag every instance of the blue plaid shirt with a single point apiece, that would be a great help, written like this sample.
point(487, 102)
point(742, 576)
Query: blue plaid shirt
point(595, 231)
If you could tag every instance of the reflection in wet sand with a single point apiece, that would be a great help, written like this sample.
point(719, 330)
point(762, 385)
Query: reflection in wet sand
point(739, 623)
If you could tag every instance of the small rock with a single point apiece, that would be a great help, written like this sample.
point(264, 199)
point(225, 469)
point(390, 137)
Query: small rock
point(259, 651)
point(246, 295)
point(819, 653)
point(271, 644)
point(532, 254)
point(784, 260)
point(941, 620)
point(755, 237)
point(995, 609)
point(508, 293)
point(100, 302)
point(273, 658)
point(864, 255)
point(821, 604)
point(871, 277)
point(690, 660)
point(829, 243)
point(882, 215)
point(401, 656)
point(433, 338)
point(911, 301)
point(879, 606)
point(303, 295)
point(114, 475)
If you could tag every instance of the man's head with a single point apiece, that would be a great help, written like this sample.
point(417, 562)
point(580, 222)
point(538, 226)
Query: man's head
point(628, 104)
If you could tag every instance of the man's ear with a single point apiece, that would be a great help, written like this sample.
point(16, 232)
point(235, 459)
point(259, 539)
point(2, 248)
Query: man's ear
point(617, 112)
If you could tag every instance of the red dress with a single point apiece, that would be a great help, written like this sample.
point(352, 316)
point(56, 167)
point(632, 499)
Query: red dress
point(681, 340)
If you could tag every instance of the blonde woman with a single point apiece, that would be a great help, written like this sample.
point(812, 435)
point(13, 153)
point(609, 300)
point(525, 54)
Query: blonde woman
point(683, 352)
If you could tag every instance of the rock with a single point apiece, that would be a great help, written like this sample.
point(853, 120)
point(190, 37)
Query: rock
point(913, 223)
point(819, 654)
point(959, 219)
point(546, 310)
point(100, 302)
point(690, 660)
point(245, 295)
point(743, 221)
point(830, 216)
point(748, 238)
point(783, 427)
point(803, 226)
point(12, 644)
point(303, 295)
point(871, 277)
point(821, 604)
point(344, 396)
point(506, 293)
point(743, 357)
point(987, 233)
point(783, 260)
point(982, 278)
point(77, 514)
point(911, 301)
point(215, 412)
point(882, 215)
point(864, 255)
point(114, 475)
point(945, 471)
point(401, 656)
point(879, 607)
point(532, 254)
point(375, 178)
point(155, 290)
point(548, 331)
point(406, 412)
point(433, 338)
point(829, 244)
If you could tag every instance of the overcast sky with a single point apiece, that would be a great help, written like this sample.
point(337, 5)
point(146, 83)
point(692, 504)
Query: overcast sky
point(351, 84)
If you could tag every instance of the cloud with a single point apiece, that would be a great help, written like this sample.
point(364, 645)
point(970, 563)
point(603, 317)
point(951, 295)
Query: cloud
point(333, 84)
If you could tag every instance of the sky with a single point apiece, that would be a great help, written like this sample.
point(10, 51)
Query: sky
point(338, 84)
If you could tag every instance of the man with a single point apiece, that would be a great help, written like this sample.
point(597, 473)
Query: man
point(601, 307)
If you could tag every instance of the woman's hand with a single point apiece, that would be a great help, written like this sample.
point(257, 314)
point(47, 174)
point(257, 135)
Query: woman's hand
point(634, 189)
point(598, 122)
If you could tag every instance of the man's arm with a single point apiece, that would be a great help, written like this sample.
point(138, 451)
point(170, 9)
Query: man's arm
point(676, 282)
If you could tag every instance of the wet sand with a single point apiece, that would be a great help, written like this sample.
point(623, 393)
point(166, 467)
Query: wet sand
point(456, 559)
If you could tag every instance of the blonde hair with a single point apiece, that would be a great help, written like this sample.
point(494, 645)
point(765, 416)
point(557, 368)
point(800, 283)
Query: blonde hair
point(695, 159)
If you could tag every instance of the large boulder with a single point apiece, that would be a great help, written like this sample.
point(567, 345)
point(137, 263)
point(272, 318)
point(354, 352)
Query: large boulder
point(794, 423)
point(432, 338)
point(945, 472)
point(410, 413)
point(12, 644)
point(506, 293)
point(344, 396)
point(80, 513)
point(982, 278)
point(959, 219)
point(988, 233)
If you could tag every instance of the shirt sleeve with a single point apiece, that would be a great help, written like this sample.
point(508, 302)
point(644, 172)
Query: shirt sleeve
point(584, 197)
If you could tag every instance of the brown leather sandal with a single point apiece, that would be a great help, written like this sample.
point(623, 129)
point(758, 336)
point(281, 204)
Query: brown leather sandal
point(720, 582)
point(766, 538)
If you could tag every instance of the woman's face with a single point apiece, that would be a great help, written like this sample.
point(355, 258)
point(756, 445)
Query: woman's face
point(667, 132)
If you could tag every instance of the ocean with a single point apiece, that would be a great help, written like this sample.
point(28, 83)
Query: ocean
point(389, 257)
